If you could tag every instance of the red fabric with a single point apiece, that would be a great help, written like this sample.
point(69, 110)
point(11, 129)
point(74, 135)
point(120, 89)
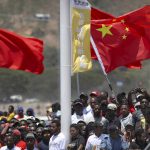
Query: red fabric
point(20, 53)
point(128, 42)
point(21, 144)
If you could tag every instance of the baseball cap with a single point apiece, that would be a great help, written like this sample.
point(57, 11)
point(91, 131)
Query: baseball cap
point(95, 93)
point(20, 108)
point(140, 96)
point(83, 95)
point(112, 106)
point(78, 102)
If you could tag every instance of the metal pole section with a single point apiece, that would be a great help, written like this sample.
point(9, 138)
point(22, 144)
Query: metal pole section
point(78, 84)
point(65, 68)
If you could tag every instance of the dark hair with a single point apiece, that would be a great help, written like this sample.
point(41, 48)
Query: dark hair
point(74, 125)
point(57, 122)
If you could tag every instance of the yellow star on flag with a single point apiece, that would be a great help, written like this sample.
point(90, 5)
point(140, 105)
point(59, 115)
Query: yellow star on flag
point(105, 30)
point(122, 21)
point(127, 29)
point(124, 37)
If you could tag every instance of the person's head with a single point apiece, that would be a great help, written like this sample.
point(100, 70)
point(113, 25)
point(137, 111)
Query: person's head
point(74, 130)
point(98, 128)
point(55, 127)
point(90, 128)
point(10, 108)
point(140, 135)
point(20, 111)
point(78, 107)
point(144, 103)
point(103, 95)
point(23, 123)
point(121, 98)
point(39, 132)
point(30, 112)
point(95, 93)
point(113, 131)
point(97, 110)
point(17, 135)
point(46, 134)
point(10, 141)
point(30, 141)
point(124, 110)
point(84, 99)
point(92, 102)
point(82, 126)
point(55, 107)
point(111, 111)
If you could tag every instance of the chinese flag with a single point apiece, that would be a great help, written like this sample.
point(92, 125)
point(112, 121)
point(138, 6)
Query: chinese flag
point(123, 41)
point(20, 53)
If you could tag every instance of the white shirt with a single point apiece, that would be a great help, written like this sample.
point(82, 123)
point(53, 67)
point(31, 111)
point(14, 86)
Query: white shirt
point(57, 142)
point(125, 121)
point(5, 148)
point(94, 142)
point(76, 118)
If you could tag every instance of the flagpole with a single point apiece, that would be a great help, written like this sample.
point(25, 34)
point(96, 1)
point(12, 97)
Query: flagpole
point(78, 84)
point(65, 68)
point(102, 66)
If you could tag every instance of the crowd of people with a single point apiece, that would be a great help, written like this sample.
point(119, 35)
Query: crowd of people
point(98, 122)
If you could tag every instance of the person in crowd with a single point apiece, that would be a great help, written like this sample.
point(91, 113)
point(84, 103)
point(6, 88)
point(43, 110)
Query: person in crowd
point(78, 112)
point(57, 140)
point(20, 113)
point(77, 141)
point(10, 143)
point(140, 139)
point(11, 112)
point(125, 117)
point(55, 110)
point(90, 129)
point(17, 139)
point(44, 143)
point(39, 132)
point(114, 141)
point(30, 142)
point(111, 115)
point(30, 112)
point(96, 116)
point(86, 107)
point(82, 128)
point(94, 141)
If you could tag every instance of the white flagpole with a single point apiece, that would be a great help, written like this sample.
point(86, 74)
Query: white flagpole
point(65, 68)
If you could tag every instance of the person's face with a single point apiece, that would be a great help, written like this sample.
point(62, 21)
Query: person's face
point(10, 109)
point(78, 109)
point(46, 135)
point(54, 128)
point(144, 103)
point(124, 110)
point(32, 129)
point(97, 109)
point(98, 130)
point(92, 102)
point(30, 143)
point(10, 142)
point(39, 132)
point(73, 132)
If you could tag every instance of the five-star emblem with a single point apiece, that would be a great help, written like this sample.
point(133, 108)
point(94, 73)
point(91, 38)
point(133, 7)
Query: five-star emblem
point(127, 29)
point(105, 30)
point(124, 37)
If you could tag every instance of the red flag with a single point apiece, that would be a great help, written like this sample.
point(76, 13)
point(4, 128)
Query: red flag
point(123, 41)
point(20, 53)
